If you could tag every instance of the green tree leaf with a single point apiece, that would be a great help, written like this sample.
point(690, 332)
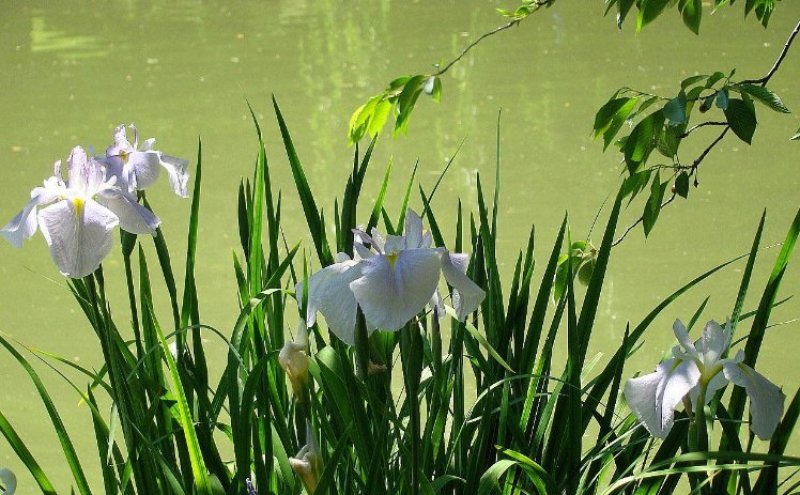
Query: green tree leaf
point(406, 101)
point(653, 206)
point(763, 9)
point(380, 113)
point(623, 7)
point(668, 141)
point(649, 10)
point(690, 81)
point(634, 184)
point(714, 79)
point(722, 99)
point(682, 184)
point(437, 90)
point(642, 140)
point(765, 96)
point(611, 117)
point(586, 270)
point(741, 116)
point(675, 109)
point(691, 11)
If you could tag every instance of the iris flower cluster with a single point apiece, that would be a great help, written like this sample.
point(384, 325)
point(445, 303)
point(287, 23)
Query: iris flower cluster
point(77, 216)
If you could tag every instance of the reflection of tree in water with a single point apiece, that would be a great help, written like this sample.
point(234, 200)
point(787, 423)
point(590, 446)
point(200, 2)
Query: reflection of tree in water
point(64, 44)
point(339, 54)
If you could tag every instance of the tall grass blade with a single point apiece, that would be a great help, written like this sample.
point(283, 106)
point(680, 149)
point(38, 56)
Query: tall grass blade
point(162, 251)
point(19, 448)
point(63, 437)
point(201, 480)
point(761, 320)
point(378, 207)
point(747, 274)
point(406, 199)
point(312, 213)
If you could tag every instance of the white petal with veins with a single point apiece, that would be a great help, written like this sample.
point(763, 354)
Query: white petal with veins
point(133, 217)
point(766, 399)
point(79, 236)
point(390, 294)
point(653, 397)
point(329, 293)
point(467, 296)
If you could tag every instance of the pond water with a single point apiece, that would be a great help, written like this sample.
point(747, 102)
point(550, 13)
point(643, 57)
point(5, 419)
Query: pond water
point(185, 69)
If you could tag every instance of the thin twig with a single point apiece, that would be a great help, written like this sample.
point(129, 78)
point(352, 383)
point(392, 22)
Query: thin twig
point(695, 127)
point(764, 80)
point(697, 161)
point(472, 45)
point(632, 226)
point(536, 6)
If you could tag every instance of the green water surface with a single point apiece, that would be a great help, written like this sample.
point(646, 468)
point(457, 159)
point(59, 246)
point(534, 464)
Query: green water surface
point(71, 71)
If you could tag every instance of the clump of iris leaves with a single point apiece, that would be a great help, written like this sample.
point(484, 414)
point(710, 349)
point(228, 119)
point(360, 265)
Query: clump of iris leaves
point(534, 423)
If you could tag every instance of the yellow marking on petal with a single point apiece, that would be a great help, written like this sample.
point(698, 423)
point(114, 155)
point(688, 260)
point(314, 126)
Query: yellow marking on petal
point(123, 155)
point(78, 202)
point(392, 259)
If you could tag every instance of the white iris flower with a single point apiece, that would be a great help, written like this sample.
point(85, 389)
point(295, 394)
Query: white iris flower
point(9, 481)
point(77, 217)
point(699, 369)
point(139, 168)
point(391, 281)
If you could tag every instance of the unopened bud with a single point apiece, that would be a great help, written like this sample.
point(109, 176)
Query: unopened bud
point(294, 361)
point(308, 463)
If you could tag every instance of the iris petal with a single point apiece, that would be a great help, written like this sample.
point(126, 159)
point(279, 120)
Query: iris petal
point(133, 217)
point(145, 167)
point(361, 251)
point(329, 293)
point(653, 397)
point(467, 296)
point(390, 294)
point(766, 399)
point(79, 238)
point(713, 342)
point(24, 224)
point(683, 337)
point(178, 176)
point(413, 230)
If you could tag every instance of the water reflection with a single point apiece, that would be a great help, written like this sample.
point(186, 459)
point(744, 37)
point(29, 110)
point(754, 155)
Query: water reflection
point(64, 45)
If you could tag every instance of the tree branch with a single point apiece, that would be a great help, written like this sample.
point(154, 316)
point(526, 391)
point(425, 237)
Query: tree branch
point(697, 161)
point(764, 80)
point(703, 124)
point(538, 4)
